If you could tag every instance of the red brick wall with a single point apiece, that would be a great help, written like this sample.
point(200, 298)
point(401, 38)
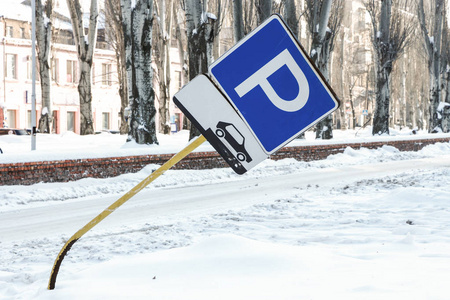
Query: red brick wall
point(68, 170)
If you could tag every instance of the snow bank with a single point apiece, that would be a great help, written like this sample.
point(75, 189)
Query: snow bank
point(375, 233)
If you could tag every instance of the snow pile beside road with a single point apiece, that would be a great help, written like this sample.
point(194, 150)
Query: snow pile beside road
point(363, 224)
point(38, 194)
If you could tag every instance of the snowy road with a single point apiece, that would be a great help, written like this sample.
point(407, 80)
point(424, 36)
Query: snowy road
point(64, 218)
point(367, 224)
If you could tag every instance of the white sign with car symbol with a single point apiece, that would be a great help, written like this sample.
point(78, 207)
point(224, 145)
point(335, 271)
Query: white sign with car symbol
point(217, 120)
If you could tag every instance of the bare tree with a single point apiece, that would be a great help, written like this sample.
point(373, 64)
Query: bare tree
point(353, 75)
point(264, 9)
point(200, 35)
point(137, 27)
point(162, 59)
point(220, 11)
point(324, 18)
point(413, 90)
point(432, 44)
point(290, 15)
point(446, 78)
point(249, 16)
point(238, 21)
point(342, 62)
point(181, 38)
point(113, 19)
point(392, 29)
point(246, 16)
point(85, 50)
point(43, 39)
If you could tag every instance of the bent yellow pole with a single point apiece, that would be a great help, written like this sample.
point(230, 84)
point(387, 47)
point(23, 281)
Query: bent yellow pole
point(170, 163)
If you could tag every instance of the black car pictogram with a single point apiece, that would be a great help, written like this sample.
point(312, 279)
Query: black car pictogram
point(236, 140)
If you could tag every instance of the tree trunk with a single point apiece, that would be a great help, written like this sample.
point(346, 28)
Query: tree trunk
point(435, 122)
point(249, 15)
point(381, 111)
point(324, 129)
point(168, 76)
point(238, 22)
point(318, 15)
point(433, 50)
point(264, 10)
point(403, 121)
point(200, 34)
point(435, 71)
point(114, 18)
point(290, 15)
point(85, 92)
point(382, 99)
point(137, 26)
point(446, 75)
point(45, 120)
point(162, 58)
point(352, 108)
point(181, 42)
point(422, 117)
point(446, 114)
point(383, 66)
point(123, 84)
point(43, 39)
point(342, 113)
point(320, 55)
point(85, 49)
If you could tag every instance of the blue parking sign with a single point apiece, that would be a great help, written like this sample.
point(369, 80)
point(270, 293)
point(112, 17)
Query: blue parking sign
point(273, 85)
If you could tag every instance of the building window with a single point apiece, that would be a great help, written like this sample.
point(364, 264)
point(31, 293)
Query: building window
point(71, 71)
point(71, 121)
point(29, 69)
point(22, 33)
point(11, 66)
point(29, 75)
point(55, 69)
point(105, 121)
point(11, 118)
point(106, 74)
point(29, 119)
point(55, 122)
point(9, 31)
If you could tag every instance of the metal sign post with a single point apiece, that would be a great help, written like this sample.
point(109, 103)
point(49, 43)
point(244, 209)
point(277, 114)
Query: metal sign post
point(262, 93)
point(68, 245)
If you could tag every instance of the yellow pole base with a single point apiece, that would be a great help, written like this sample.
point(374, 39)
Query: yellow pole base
point(170, 163)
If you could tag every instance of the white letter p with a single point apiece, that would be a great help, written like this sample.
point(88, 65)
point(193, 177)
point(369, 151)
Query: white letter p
point(260, 78)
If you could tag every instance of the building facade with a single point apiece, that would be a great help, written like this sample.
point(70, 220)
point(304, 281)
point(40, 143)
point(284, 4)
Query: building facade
point(16, 85)
point(16, 78)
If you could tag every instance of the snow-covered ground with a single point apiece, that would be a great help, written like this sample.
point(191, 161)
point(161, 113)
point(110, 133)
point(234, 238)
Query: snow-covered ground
point(364, 224)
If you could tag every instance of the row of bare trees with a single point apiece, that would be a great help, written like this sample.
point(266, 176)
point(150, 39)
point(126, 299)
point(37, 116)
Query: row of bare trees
point(146, 29)
point(434, 29)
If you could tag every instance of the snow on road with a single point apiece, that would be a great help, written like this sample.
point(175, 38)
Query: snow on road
point(365, 224)
point(194, 200)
